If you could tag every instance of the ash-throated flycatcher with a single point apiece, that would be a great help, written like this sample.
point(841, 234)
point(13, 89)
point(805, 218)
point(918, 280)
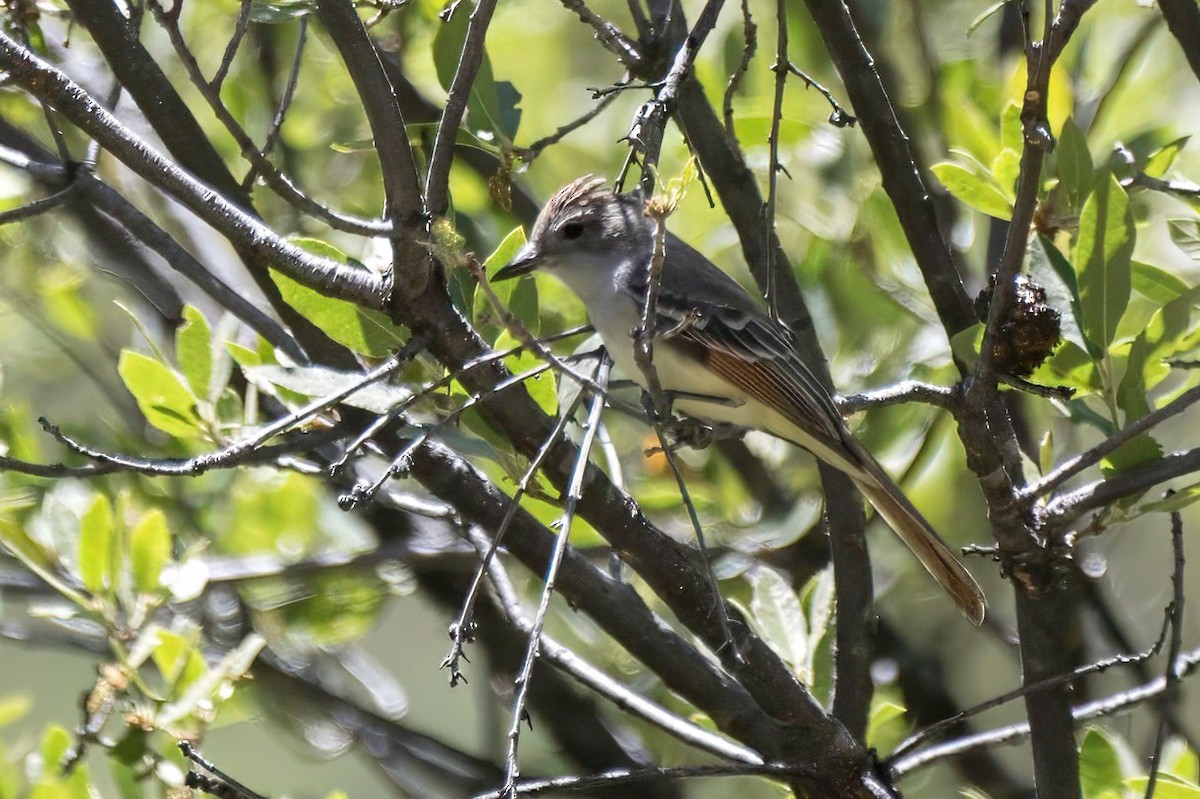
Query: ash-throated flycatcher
point(716, 350)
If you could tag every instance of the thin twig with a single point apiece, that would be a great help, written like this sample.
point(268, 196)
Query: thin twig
point(1073, 466)
point(608, 34)
point(1068, 507)
point(749, 46)
point(574, 492)
point(645, 332)
point(240, 26)
point(39, 206)
point(227, 787)
point(528, 154)
point(399, 464)
point(462, 629)
point(628, 701)
point(280, 183)
point(285, 102)
point(838, 117)
point(47, 83)
point(1038, 141)
point(722, 612)
point(646, 132)
point(237, 453)
point(1121, 701)
point(427, 389)
point(437, 182)
point(616, 778)
point(1175, 614)
point(899, 394)
point(1139, 179)
point(773, 165)
point(937, 729)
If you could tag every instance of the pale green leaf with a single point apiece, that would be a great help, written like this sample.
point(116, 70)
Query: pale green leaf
point(779, 617)
point(1161, 160)
point(543, 388)
point(1099, 764)
point(1102, 260)
point(978, 191)
point(1165, 787)
point(1156, 284)
point(161, 395)
point(1076, 171)
point(193, 351)
point(1186, 235)
point(13, 707)
point(96, 546)
point(149, 550)
point(1177, 501)
point(364, 330)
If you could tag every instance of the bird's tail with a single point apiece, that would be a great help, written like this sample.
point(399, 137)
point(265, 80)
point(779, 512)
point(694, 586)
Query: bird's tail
point(919, 536)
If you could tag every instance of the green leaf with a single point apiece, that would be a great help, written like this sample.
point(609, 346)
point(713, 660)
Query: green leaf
point(1186, 235)
point(1006, 168)
point(149, 550)
point(1103, 253)
point(1069, 366)
point(543, 388)
point(484, 313)
point(1099, 764)
point(56, 742)
point(491, 106)
point(366, 331)
point(170, 653)
point(96, 555)
point(1046, 452)
point(1012, 135)
point(193, 351)
point(1131, 393)
point(977, 191)
point(1076, 171)
point(780, 618)
point(985, 15)
point(1180, 761)
point(1172, 329)
point(13, 707)
point(1066, 273)
point(243, 356)
point(1160, 161)
point(65, 305)
point(162, 397)
point(1137, 451)
point(1177, 501)
point(885, 724)
point(1156, 284)
point(1165, 787)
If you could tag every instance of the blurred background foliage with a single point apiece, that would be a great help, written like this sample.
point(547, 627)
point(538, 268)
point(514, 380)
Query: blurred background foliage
point(86, 349)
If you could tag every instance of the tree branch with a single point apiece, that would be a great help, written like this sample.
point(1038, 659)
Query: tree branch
point(245, 231)
point(1068, 507)
point(437, 183)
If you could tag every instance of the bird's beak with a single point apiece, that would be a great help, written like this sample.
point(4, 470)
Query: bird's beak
point(524, 262)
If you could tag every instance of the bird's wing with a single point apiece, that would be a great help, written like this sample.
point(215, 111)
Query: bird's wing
point(721, 326)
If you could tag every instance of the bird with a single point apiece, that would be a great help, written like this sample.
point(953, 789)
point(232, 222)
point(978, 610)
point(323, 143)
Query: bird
point(716, 351)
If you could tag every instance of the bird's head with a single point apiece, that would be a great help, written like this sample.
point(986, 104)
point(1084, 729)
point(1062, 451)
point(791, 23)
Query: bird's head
point(584, 226)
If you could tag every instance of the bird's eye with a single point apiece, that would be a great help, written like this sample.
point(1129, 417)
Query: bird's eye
point(572, 230)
